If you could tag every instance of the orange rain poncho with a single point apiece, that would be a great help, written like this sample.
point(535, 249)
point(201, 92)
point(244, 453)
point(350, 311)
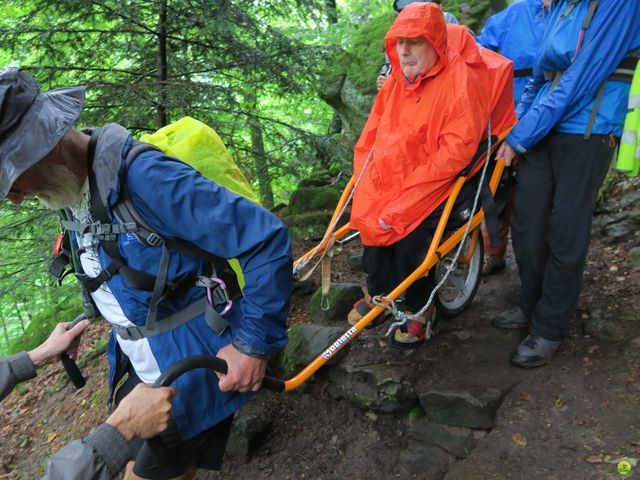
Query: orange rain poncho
point(424, 133)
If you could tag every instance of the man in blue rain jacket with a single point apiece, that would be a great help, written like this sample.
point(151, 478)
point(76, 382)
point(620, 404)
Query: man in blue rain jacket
point(42, 156)
point(570, 118)
point(515, 33)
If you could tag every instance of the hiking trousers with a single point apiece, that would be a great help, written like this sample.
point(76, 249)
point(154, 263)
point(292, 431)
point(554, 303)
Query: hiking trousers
point(558, 184)
point(387, 267)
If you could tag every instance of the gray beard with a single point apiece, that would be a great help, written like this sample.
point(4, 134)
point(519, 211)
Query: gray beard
point(63, 191)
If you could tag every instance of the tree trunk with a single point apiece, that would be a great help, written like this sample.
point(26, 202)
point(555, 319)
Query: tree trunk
point(6, 333)
point(19, 316)
point(161, 109)
point(332, 11)
point(260, 162)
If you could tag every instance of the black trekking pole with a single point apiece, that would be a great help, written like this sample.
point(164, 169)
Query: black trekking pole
point(70, 365)
point(156, 444)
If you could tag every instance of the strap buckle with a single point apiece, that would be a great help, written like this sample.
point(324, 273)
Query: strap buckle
point(154, 240)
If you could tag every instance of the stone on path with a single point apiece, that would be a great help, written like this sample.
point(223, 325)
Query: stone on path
point(616, 329)
point(247, 434)
point(425, 461)
point(473, 407)
point(456, 441)
point(377, 387)
point(305, 343)
point(633, 257)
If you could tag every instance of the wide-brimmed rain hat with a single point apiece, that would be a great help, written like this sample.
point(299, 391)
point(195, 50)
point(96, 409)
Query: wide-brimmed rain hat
point(31, 122)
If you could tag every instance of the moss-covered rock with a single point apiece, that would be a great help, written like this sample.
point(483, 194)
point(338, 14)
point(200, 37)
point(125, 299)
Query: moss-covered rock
point(348, 83)
point(334, 151)
point(320, 178)
point(337, 305)
point(351, 105)
point(307, 199)
point(308, 226)
point(361, 62)
point(313, 203)
point(377, 387)
point(474, 13)
point(305, 343)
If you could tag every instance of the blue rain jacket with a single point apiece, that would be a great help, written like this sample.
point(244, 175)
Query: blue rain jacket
point(178, 202)
point(613, 35)
point(515, 33)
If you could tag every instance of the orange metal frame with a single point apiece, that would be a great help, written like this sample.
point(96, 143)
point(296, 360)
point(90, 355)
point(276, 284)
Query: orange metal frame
point(436, 251)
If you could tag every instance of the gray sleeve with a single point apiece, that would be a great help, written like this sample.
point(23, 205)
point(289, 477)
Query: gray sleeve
point(14, 370)
point(99, 456)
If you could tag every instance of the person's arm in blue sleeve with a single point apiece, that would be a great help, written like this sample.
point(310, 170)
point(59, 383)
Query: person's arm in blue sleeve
point(211, 217)
point(530, 92)
point(610, 37)
point(493, 32)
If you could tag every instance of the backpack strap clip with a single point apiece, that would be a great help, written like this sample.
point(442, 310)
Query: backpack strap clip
point(154, 240)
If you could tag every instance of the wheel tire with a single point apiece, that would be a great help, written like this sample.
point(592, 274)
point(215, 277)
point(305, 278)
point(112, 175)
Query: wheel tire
point(457, 293)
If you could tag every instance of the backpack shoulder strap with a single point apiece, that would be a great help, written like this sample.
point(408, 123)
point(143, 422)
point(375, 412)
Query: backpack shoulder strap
point(97, 208)
point(124, 208)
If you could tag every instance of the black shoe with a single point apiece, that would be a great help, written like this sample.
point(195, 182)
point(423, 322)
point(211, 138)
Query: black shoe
point(534, 351)
point(513, 318)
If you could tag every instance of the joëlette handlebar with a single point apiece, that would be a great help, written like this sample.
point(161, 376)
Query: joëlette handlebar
point(156, 444)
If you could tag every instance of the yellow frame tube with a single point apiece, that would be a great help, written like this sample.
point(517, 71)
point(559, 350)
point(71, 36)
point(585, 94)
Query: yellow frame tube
point(341, 232)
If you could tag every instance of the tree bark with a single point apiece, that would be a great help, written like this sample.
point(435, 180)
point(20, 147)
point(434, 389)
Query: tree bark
point(6, 333)
point(332, 11)
point(260, 162)
point(161, 109)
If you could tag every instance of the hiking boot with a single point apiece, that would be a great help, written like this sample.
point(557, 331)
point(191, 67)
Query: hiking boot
point(493, 264)
point(534, 351)
point(410, 335)
point(413, 333)
point(508, 319)
point(360, 309)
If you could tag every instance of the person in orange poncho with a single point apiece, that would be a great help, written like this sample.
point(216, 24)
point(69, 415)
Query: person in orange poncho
point(423, 129)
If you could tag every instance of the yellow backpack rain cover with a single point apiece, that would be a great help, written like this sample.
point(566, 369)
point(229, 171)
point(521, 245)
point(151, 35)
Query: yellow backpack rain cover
point(199, 145)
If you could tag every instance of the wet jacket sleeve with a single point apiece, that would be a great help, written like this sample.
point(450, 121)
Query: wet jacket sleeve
point(229, 226)
point(530, 92)
point(611, 34)
point(100, 456)
point(493, 32)
point(14, 370)
point(458, 142)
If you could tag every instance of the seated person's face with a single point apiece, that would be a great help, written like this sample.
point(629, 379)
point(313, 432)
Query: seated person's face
point(417, 56)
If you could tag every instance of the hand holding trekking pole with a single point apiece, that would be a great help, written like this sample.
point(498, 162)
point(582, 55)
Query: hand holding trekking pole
point(64, 339)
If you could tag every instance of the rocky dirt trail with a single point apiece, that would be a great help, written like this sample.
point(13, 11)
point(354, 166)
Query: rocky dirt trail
point(456, 409)
point(452, 409)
